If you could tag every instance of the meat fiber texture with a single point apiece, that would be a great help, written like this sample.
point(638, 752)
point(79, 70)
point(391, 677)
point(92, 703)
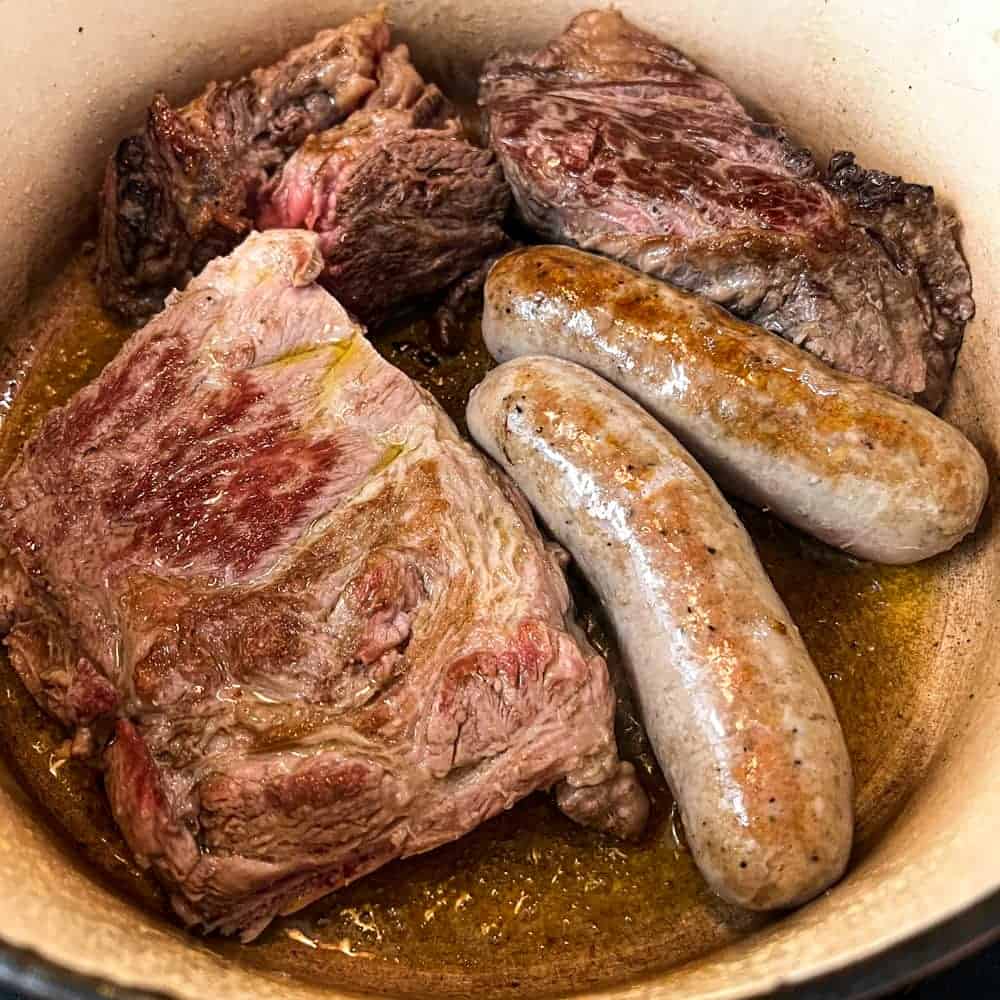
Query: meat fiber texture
point(308, 627)
point(405, 205)
point(181, 191)
point(615, 142)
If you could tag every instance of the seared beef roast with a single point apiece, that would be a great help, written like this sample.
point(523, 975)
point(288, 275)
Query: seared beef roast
point(182, 191)
point(321, 631)
point(615, 142)
point(403, 204)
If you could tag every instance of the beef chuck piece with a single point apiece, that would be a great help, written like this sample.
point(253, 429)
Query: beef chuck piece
point(404, 206)
point(325, 631)
point(181, 191)
point(615, 142)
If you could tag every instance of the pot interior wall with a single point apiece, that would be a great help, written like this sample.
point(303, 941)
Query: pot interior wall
point(908, 87)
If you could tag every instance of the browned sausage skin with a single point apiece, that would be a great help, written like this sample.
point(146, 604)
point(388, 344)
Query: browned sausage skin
point(738, 717)
point(854, 465)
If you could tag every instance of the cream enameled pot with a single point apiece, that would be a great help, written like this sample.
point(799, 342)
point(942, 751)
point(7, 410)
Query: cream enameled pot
point(910, 87)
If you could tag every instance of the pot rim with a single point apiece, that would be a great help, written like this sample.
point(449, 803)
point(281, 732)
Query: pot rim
point(932, 950)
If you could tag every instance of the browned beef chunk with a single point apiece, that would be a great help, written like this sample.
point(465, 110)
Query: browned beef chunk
point(616, 142)
point(343, 136)
point(404, 206)
point(324, 631)
point(182, 191)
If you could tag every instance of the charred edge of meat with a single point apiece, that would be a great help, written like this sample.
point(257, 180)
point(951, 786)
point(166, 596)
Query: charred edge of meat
point(138, 227)
point(798, 160)
point(137, 198)
point(154, 231)
point(917, 235)
point(871, 189)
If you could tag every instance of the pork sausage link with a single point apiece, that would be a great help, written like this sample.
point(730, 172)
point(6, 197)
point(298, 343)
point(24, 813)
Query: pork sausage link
point(736, 713)
point(858, 467)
